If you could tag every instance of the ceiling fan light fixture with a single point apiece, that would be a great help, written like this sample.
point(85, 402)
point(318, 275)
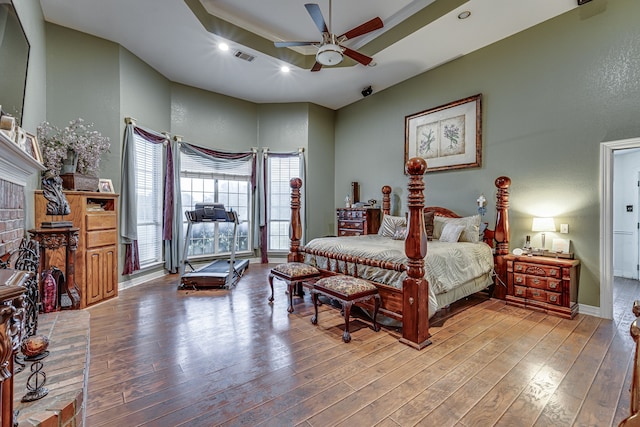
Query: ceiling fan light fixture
point(329, 54)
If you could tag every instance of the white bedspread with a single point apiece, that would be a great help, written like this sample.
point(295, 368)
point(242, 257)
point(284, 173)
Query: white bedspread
point(446, 265)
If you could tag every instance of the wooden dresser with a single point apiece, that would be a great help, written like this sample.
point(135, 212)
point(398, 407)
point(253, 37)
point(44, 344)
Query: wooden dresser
point(544, 284)
point(96, 268)
point(358, 221)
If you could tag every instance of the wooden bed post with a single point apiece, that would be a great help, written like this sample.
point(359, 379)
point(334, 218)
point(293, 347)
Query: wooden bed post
point(295, 230)
point(386, 200)
point(415, 295)
point(501, 235)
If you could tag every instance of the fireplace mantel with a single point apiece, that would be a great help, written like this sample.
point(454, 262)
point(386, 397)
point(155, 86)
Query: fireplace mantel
point(16, 165)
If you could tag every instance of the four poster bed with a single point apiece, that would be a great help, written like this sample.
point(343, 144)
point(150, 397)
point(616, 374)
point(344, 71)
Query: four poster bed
point(411, 292)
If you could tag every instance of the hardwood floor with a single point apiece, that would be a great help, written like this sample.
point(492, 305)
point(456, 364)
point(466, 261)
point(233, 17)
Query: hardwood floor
point(163, 357)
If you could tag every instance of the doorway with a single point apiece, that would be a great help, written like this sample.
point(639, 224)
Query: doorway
point(607, 150)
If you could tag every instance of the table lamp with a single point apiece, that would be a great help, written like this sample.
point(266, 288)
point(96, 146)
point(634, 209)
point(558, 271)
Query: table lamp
point(543, 225)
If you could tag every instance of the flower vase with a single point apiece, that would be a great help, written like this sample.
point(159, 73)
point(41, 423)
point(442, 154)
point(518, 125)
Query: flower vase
point(70, 164)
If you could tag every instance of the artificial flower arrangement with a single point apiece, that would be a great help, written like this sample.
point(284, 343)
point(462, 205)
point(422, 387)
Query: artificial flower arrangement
point(79, 140)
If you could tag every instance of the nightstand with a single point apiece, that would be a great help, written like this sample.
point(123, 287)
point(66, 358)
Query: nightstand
point(357, 221)
point(544, 284)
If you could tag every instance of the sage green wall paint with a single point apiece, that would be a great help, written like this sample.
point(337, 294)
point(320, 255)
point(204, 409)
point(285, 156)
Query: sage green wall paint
point(321, 214)
point(212, 120)
point(83, 80)
point(34, 111)
point(551, 95)
point(144, 94)
point(287, 127)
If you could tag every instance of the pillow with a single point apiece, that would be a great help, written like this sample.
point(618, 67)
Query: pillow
point(471, 227)
point(400, 233)
point(389, 225)
point(451, 232)
point(428, 224)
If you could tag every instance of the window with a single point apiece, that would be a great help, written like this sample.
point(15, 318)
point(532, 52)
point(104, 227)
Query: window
point(280, 172)
point(203, 180)
point(149, 193)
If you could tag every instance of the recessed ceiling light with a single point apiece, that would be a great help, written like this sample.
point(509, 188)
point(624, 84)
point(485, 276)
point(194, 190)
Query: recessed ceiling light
point(223, 47)
point(464, 14)
point(285, 69)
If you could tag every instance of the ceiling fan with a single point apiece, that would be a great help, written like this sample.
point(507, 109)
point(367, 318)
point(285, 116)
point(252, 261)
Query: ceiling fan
point(330, 49)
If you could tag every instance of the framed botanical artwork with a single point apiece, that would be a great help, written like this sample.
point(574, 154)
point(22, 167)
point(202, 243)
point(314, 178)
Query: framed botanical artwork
point(33, 147)
point(105, 186)
point(448, 136)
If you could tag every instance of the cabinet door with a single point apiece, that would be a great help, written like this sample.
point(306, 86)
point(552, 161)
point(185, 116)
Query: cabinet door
point(94, 277)
point(110, 272)
point(102, 265)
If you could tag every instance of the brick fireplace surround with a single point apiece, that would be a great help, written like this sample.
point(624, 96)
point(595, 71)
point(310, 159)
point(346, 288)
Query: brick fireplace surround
point(68, 331)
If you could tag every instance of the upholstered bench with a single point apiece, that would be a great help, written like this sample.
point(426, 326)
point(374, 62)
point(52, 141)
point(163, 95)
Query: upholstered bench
point(347, 290)
point(293, 273)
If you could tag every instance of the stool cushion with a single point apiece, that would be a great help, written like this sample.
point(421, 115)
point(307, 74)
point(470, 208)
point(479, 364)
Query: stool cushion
point(345, 285)
point(296, 269)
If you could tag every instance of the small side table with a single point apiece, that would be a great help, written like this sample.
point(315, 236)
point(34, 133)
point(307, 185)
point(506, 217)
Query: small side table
point(55, 238)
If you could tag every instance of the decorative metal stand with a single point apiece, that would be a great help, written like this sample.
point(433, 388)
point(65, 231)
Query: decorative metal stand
point(37, 379)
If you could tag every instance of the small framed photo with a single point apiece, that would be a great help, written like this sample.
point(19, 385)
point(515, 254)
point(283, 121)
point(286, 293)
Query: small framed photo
point(105, 186)
point(33, 147)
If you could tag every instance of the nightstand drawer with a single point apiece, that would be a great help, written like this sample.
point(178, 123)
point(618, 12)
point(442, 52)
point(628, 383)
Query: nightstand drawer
point(537, 294)
point(346, 232)
point(520, 291)
point(351, 214)
point(537, 270)
point(352, 225)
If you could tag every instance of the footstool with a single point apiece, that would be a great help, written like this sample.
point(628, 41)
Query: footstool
point(293, 273)
point(347, 290)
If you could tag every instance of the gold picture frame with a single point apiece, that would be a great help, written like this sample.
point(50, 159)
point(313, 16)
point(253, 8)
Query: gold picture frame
point(447, 137)
point(105, 186)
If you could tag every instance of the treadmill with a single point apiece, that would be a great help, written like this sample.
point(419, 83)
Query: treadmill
point(221, 273)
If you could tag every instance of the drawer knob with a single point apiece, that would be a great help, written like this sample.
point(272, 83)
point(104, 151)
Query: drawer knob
point(553, 298)
point(536, 293)
point(519, 292)
point(553, 271)
point(536, 281)
point(553, 285)
point(519, 279)
point(518, 268)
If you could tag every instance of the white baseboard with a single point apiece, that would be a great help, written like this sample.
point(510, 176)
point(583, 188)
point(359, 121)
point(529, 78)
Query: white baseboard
point(589, 310)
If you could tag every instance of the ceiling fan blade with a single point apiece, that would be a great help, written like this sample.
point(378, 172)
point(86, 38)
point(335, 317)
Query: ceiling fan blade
point(287, 44)
point(316, 67)
point(367, 27)
point(316, 15)
point(357, 56)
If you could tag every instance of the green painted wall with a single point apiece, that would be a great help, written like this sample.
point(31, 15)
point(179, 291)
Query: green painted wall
point(212, 120)
point(83, 80)
point(551, 95)
point(321, 214)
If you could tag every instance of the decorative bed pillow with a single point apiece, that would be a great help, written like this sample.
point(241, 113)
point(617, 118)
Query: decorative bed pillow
point(471, 227)
point(389, 225)
point(428, 224)
point(451, 232)
point(400, 233)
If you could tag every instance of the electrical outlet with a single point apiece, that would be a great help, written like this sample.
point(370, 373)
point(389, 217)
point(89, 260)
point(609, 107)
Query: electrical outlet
point(564, 228)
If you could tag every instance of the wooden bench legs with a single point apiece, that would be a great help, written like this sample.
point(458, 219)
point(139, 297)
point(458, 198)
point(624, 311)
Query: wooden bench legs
point(347, 296)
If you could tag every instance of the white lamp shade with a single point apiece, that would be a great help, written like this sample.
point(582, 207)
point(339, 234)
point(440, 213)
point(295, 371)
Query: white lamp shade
point(543, 224)
point(329, 54)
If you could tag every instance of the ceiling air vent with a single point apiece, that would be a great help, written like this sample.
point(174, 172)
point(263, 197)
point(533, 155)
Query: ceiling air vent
point(244, 56)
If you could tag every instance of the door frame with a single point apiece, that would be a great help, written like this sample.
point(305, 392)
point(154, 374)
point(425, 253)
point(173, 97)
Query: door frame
point(606, 221)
